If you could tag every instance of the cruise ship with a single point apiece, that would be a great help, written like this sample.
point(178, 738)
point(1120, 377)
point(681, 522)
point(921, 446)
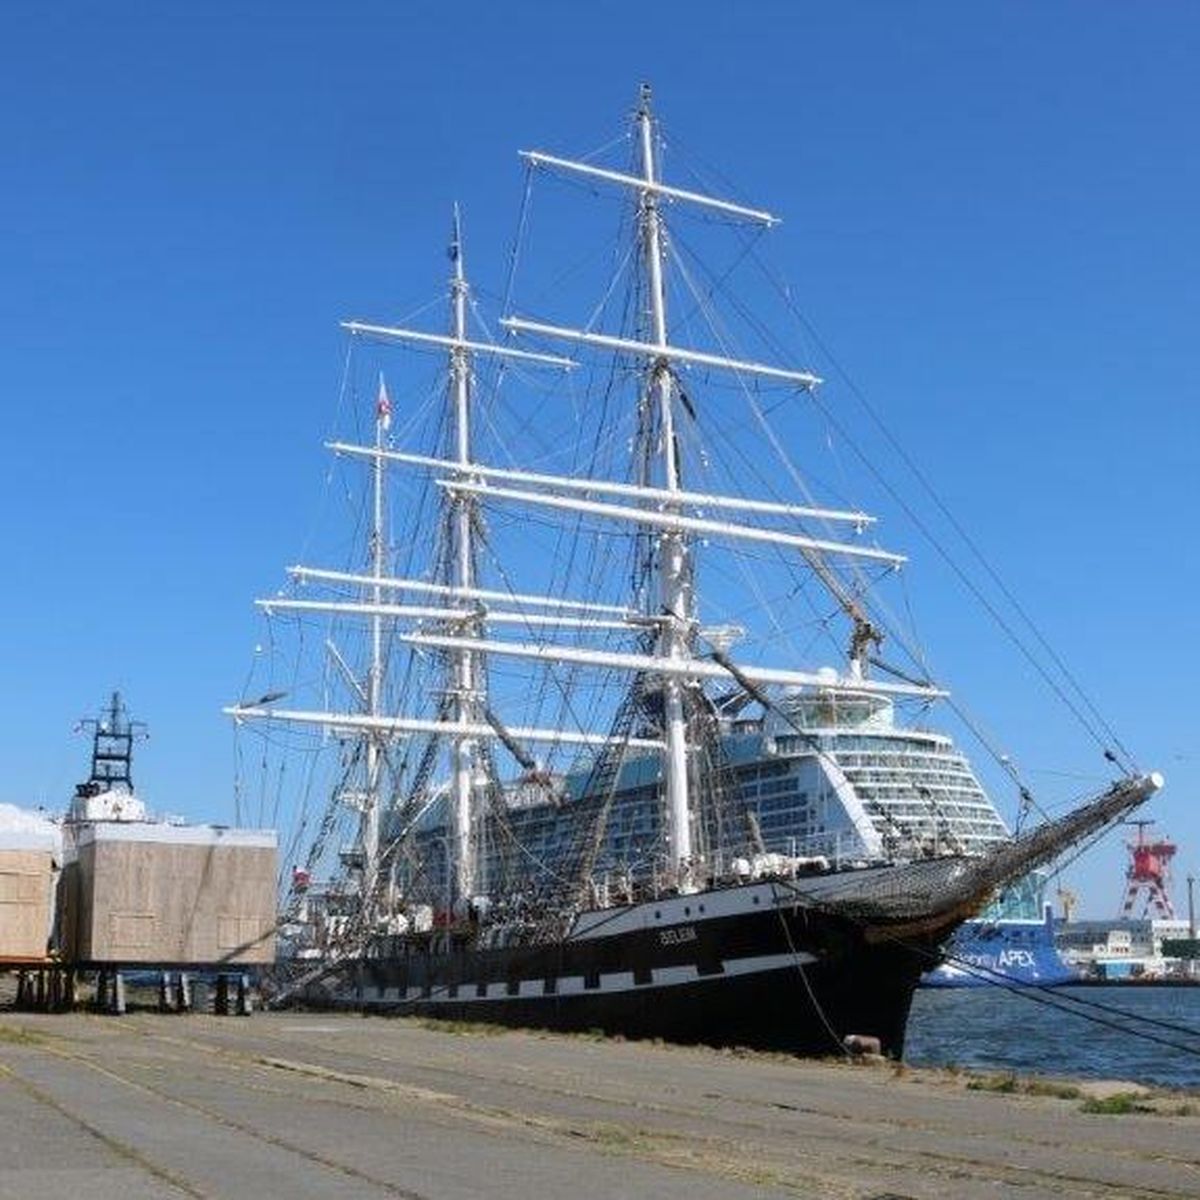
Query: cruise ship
point(834, 778)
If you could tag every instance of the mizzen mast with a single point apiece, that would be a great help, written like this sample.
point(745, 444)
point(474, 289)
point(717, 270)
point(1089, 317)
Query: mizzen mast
point(374, 751)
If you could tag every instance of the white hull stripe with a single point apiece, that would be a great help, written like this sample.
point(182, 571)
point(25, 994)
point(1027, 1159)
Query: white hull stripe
point(573, 985)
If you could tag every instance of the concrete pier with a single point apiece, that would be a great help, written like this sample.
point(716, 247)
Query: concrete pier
point(312, 1105)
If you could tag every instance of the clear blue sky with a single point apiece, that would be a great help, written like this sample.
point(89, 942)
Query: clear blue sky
point(990, 215)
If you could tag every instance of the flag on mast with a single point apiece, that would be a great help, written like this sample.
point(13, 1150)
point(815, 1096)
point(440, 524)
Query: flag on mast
point(383, 406)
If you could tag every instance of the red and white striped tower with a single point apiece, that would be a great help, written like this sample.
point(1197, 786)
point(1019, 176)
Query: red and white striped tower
point(1147, 871)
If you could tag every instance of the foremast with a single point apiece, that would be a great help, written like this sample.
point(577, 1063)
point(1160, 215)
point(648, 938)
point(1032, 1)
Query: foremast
point(467, 719)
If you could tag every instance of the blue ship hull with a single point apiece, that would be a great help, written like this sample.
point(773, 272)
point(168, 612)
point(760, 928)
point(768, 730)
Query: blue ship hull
point(1005, 951)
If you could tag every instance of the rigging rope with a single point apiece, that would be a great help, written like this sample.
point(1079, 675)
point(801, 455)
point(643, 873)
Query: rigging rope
point(889, 626)
point(841, 1046)
point(1101, 725)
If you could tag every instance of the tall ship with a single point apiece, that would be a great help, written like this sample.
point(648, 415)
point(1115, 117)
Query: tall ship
point(614, 743)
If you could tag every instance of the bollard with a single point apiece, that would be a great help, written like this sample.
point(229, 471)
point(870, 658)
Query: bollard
point(117, 1003)
point(245, 1002)
point(863, 1046)
point(164, 992)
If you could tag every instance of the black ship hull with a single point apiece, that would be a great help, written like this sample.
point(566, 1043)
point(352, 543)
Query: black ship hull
point(751, 966)
point(782, 964)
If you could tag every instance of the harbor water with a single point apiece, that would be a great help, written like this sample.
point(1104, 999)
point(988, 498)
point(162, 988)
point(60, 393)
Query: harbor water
point(1142, 1034)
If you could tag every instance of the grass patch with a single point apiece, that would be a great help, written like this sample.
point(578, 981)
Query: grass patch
point(1048, 1087)
point(613, 1136)
point(582, 1035)
point(1009, 1084)
point(461, 1028)
point(1118, 1104)
point(1004, 1084)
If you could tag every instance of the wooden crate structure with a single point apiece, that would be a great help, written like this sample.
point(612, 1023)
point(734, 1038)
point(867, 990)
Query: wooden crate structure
point(148, 893)
point(27, 882)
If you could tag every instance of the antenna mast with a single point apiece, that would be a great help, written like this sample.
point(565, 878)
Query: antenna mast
point(113, 735)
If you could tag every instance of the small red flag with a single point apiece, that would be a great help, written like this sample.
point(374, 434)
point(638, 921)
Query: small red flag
point(383, 406)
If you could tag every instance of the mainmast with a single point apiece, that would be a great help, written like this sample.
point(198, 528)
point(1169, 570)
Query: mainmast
point(462, 579)
point(673, 560)
point(672, 509)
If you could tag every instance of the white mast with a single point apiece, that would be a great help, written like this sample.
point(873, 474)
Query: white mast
point(674, 565)
point(463, 579)
point(370, 811)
